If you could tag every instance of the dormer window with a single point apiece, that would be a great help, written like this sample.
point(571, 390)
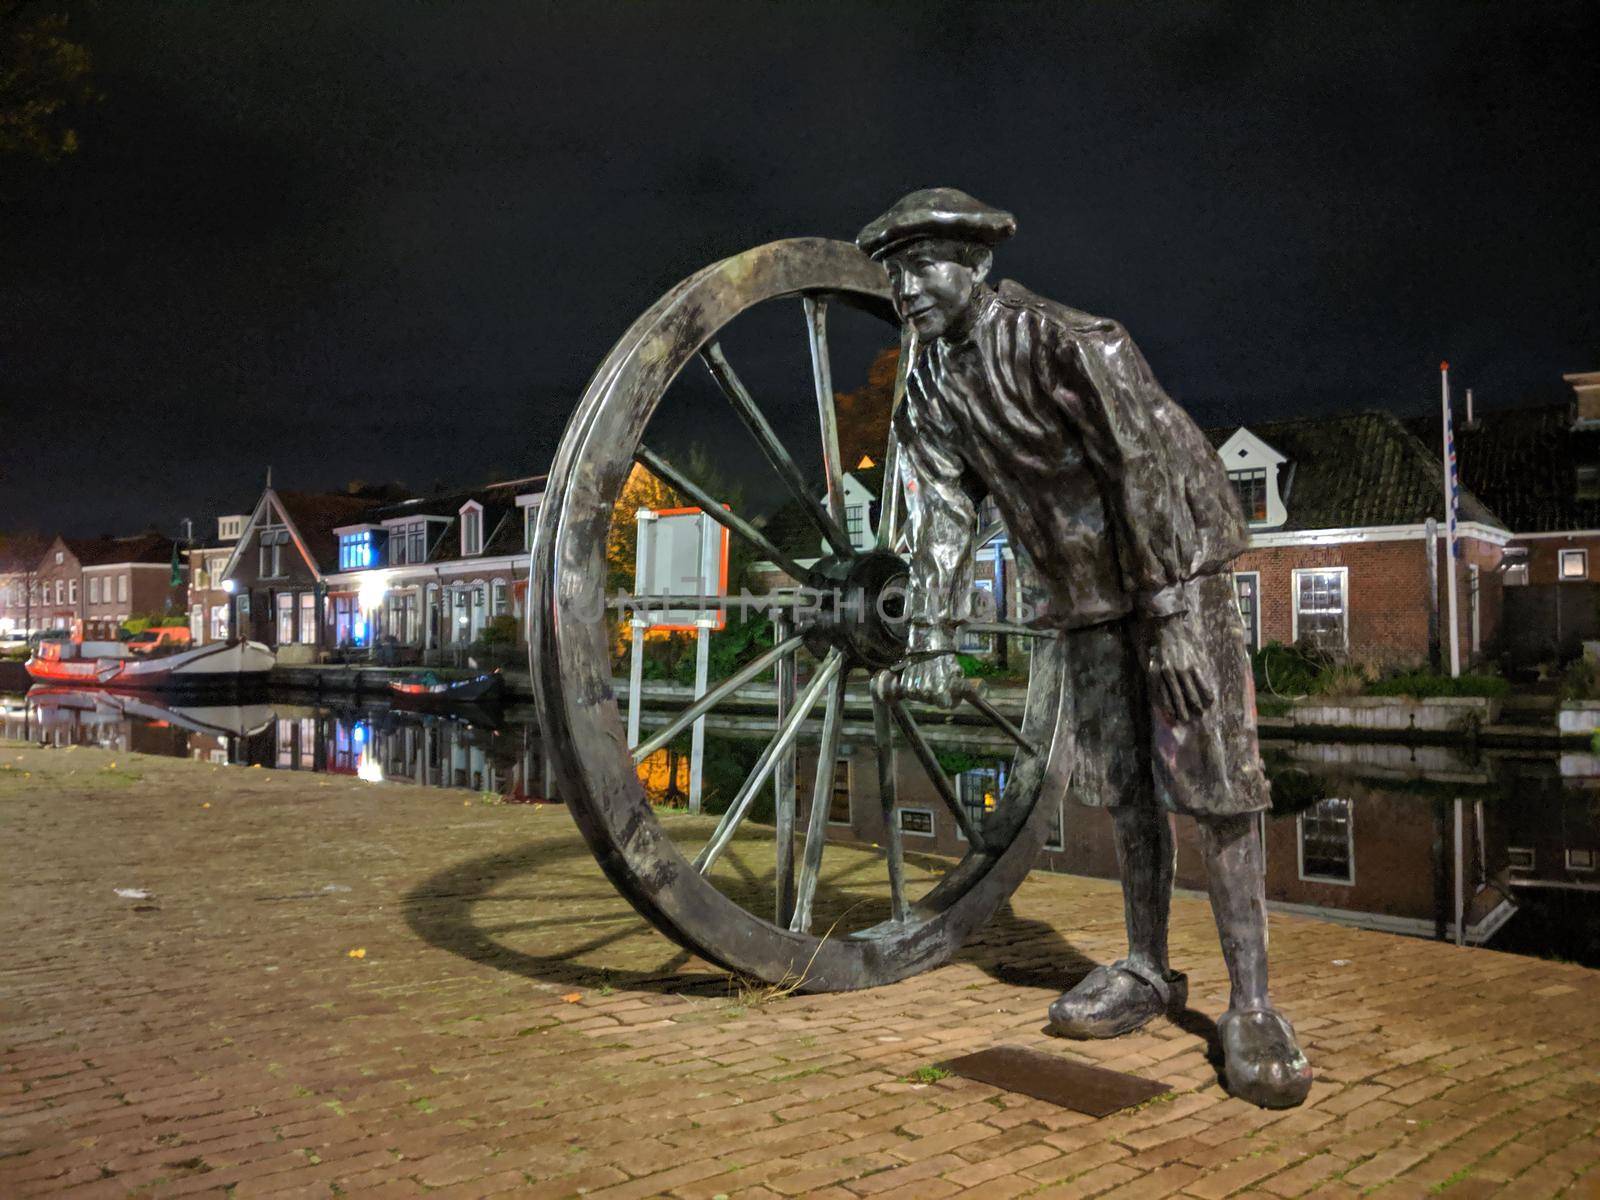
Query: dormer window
point(357, 551)
point(1253, 470)
point(1252, 489)
point(472, 528)
point(1588, 482)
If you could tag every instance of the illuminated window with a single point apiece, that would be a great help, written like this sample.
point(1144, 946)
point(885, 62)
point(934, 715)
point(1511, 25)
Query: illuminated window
point(979, 790)
point(1580, 860)
point(357, 551)
point(219, 623)
point(94, 589)
point(1319, 608)
point(72, 591)
point(530, 521)
point(122, 589)
point(1520, 858)
point(308, 618)
point(499, 598)
point(1252, 489)
point(285, 618)
point(1246, 594)
point(1574, 564)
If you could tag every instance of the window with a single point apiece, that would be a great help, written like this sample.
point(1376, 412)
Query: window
point(1252, 489)
point(72, 591)
point(61, 592)
point(1574, 565)
point(285, 618)
point(1326, 848)
point(916, 820)
point(1520, 858)
point(272, 541)
point(983, 609)
point(1319, 608)
point(1580, 860)
point(1588, 478)
point(219, 623)
point(472, 529)
point(839, 800)
point(197, 625)
point(1246, 594)
point(122, 589)
point(979, 790)
point(855, 520)
point(357, 551)
point(308, 618)
point(94, 589)
point(419, 542)
point(499, 598)
point(228, 528)
point(60, 555)
point(1055, 836)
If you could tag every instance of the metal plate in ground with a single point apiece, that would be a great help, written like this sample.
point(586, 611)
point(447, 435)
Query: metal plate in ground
point(1082, 1088)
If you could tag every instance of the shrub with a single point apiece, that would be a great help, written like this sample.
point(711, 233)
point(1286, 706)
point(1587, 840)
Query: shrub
point(1288, 670)
point(1424, 684)
point(500, 631)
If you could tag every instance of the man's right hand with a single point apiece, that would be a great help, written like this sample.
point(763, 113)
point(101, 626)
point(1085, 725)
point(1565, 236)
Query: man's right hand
point(936, 680)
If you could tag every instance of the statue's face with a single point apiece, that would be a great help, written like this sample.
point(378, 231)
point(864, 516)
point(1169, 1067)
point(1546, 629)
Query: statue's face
point(933, 290)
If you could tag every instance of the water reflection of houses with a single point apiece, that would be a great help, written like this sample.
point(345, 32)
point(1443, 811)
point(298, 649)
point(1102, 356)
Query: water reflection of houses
point(1376, 836)
point(473, 750)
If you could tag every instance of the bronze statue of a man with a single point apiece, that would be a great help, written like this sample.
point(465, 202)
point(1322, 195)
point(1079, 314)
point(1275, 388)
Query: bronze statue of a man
point(1129, 518)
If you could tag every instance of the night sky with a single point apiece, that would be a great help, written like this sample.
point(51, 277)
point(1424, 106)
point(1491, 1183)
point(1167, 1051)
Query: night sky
point(390, 241)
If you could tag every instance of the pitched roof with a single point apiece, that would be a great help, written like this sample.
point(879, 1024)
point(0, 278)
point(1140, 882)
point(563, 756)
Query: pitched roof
point(502, 519)
point(140, 548)
point(316, 515)
point(1357, 470)
point(1524, 462)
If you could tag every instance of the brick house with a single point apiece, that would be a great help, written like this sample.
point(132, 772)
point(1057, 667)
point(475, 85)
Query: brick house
point(1338, 510)
point(276, 576)
point(431, 572)
point(209, 602)
point(101, 582)
point(1539, 469)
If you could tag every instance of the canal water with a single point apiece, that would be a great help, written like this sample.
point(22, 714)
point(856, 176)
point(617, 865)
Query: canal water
point(1392, 837)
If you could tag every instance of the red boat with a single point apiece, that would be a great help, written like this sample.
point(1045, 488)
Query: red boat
point(221, 665)
point(428, 688)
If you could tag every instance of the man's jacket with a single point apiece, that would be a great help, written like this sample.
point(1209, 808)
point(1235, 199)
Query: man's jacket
point(1102, 480)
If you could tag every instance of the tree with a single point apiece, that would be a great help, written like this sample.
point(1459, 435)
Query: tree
point(44, 82)
point(864, 413)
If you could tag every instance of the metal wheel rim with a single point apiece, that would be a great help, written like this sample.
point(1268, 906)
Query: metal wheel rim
point(579, 716)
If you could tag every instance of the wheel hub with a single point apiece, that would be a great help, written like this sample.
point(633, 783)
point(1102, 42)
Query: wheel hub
point(863, 612)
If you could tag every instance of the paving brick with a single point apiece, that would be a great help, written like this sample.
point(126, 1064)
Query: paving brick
point(447, 1063)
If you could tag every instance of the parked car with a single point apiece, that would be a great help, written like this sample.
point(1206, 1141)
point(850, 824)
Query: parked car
point(161, 638)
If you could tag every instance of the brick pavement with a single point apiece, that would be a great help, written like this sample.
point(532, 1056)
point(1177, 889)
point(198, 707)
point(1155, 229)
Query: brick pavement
point(514, 1029)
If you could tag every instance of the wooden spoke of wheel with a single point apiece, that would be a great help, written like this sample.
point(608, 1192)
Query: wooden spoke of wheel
point(832, 668)
point(715, 697)
point(827, 415)
point(930, 766)
point(883, 734)
point(998, 718)
point(783, 786)
point(756, 422)
point(735, 523)
point(821, 794)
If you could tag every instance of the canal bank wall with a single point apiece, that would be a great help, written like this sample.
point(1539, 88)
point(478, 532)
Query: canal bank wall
point(1444, 719)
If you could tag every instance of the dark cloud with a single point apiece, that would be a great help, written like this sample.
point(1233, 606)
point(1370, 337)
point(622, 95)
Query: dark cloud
point(372, 240)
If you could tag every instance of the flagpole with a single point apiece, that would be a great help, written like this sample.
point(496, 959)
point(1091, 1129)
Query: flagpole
point(1452, 626)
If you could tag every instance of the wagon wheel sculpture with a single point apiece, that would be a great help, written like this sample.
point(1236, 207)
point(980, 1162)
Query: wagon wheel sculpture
point(771, 937)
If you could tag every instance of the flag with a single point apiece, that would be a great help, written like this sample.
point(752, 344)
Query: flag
point(1452, 477)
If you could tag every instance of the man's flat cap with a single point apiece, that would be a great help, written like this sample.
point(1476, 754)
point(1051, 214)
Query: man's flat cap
point(936, 213)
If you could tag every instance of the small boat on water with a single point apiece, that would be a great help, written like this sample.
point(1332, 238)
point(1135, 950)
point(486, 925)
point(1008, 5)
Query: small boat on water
point(221, 666)
point(428, 688)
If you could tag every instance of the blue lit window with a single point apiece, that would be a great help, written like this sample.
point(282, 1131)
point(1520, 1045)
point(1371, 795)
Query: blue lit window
point(357, 550)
